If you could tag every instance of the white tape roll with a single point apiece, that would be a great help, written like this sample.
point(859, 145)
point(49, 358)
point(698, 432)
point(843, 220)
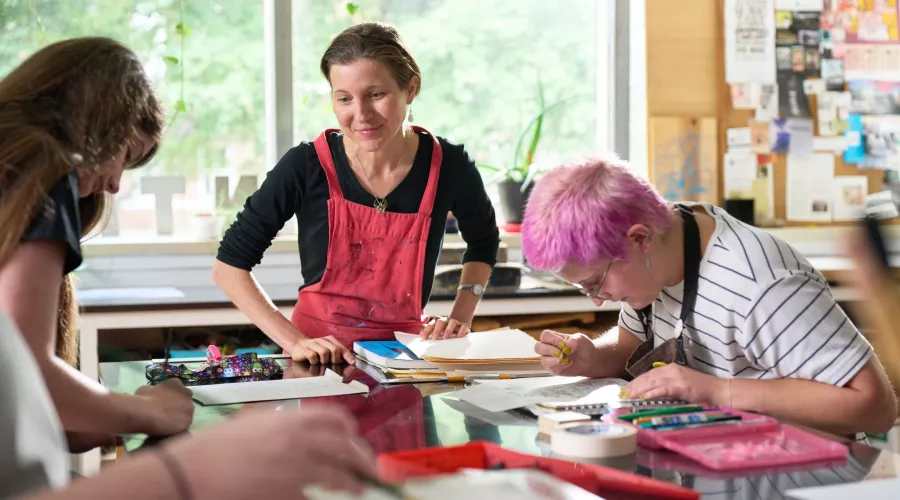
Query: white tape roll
point(594, 440)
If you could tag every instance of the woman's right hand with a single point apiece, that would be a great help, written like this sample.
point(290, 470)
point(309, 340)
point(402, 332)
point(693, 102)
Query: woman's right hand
point(280, 454)
point(323, 350)
point(562, 354)
point(171, 407)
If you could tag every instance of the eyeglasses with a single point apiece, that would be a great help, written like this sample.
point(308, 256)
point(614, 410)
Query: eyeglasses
point(594, 292)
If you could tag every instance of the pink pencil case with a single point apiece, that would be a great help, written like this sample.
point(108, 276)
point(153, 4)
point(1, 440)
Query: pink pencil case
point(752, 442)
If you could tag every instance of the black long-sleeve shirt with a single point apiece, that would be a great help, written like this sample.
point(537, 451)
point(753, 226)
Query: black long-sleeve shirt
point(297, 186)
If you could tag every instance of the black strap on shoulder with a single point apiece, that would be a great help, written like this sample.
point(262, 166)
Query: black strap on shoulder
point(691, 278)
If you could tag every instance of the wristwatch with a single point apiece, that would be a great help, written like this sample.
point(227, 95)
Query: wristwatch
point(476, 289)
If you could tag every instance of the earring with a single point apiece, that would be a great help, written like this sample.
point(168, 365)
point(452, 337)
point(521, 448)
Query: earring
point(647, 262)
point(410, 117)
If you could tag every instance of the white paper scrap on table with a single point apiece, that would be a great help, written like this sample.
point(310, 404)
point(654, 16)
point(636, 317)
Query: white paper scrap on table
point(873, 489)
point(810, 184)
point(749, 41)
point(493, 344)
point(330, 384)
point(505, 395)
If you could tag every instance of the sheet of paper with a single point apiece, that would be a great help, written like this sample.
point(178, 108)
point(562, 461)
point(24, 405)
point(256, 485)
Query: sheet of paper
point(834, 113)
point(805, 5)
point(739, 172)
point(760, 137)
point(491, 345)
point(764, 193)
point(768, 103)
point(813, 87)
point(738, 139)
point(491, 417)
point(749, 42)
point(809, 186)
point(834, 145)
point(504, 395)
point(873, 489)
point(850, 197)
point(329, 384)
point(473, 484)
point(801, 132)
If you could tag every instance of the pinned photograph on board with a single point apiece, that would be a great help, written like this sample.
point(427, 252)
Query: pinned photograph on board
point(874, 97)
point(810, 38)
point(784, 19)
point(798, 58)
point(779, 136)
point(792, 100)
point(819, 206)
point(832, 71)
point(783, 58)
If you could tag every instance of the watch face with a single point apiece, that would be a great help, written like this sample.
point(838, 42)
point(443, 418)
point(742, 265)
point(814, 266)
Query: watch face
point(477, 289)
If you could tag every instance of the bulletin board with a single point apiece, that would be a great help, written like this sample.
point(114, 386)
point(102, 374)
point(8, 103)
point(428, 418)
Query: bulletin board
point(688, 79)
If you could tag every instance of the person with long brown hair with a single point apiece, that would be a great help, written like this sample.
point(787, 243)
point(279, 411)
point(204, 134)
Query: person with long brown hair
point(371, 201)
point(73, 117)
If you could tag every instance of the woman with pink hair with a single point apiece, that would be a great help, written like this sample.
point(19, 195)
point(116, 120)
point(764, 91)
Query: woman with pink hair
point(712, 310)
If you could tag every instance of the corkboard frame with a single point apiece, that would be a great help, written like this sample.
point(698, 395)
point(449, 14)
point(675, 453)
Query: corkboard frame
point(686, 77)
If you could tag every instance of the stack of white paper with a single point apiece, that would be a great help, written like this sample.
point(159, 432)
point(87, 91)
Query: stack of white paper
point(329, 384)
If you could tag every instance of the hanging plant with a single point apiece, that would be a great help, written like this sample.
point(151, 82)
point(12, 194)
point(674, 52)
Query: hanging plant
point(182, 31)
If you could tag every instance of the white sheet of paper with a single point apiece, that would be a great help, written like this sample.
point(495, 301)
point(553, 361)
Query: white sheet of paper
point(738, 139)
point(813, 87)
point(329, 384)
point(505, 395)
point(768, 103)
point(836, 144)
point(873, 489)
point(473, 484)
point(807, 5)
point(809, 185)
point(801, 130)
point(749, 41)
point(739, 173)
point(494, 344)
point(850, 196)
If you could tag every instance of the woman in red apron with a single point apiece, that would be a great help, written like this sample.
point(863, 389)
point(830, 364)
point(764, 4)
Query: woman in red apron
point(371, 201)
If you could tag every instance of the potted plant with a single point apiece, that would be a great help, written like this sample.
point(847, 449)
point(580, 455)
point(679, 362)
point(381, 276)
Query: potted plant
point(516, 180)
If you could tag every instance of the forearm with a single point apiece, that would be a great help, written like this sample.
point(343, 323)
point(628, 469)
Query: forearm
point(466, 301)
point(245, 292)
point(87, 406)
point(142, 477)
point(839, 410)
point(611, 353)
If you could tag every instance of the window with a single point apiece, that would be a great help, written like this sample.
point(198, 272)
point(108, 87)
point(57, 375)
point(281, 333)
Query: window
point(206, 59)
point(481, 62)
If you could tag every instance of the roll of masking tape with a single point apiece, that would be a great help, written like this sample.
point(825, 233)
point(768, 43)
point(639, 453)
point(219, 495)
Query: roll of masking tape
point(594, 440)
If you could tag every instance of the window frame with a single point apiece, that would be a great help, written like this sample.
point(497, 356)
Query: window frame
point(616, 56)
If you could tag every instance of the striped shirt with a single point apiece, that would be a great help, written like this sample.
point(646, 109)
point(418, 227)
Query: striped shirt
point(762, 312)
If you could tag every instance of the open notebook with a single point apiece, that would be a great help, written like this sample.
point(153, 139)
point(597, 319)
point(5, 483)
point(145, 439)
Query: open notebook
point(549, 394)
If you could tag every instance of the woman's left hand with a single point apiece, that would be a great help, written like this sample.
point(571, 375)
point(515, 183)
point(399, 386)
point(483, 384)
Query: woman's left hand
point(444, 328)
point(677, 382)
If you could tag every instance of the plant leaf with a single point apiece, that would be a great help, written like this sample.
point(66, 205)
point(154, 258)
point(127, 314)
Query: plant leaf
point(490, 167)
point(182, 30)
point(180, 106)
point(352, 8)
point(536, 138)
point(171, 60)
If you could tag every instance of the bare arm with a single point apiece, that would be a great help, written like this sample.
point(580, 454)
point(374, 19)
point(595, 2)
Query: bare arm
point(865, 404)
point(143, 477)
point(466, 301)
point(29, 293)
point(242, 288)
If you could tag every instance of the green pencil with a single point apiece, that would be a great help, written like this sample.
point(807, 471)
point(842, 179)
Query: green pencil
point(660, 411)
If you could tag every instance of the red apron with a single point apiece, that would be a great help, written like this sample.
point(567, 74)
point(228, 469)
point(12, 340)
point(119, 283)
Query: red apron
point(372, 284)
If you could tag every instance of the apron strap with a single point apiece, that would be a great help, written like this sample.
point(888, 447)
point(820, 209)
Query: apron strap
point(691, 280)
point(327, 161)
point(434, 173)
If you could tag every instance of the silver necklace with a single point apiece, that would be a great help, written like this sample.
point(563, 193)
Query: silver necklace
point(380, 203)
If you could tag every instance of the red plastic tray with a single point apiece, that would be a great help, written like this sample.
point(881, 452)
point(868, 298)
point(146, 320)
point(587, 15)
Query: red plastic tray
point(611, 484)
